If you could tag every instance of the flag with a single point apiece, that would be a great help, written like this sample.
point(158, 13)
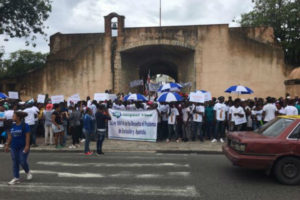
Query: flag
point(147, 83)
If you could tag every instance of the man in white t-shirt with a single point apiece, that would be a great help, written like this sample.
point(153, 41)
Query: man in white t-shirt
point(290, 109)
point(269, 111)
point(30, 120)
point(197, 112)
point(220, 111)
point(163, 109)
point(172, 121)
point(186, 121)
point(238, 115)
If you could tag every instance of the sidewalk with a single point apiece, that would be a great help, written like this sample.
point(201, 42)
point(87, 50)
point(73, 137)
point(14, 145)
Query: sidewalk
point(136, 146)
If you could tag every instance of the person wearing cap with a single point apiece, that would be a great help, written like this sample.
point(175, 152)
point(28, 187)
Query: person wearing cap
point(47, 116)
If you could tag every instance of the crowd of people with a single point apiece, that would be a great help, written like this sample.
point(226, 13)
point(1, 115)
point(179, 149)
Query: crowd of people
point(179, 121)
point(22, 122)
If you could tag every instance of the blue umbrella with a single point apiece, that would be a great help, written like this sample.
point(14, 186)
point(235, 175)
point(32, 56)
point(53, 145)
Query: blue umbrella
point(173, 87)
point(239, 89)
point(169, 97)
point(135, 97)
point(2, 95)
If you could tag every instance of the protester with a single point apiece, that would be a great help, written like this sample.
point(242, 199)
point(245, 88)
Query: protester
point(31, 120)
point(220, 110)
point(197, 112)
point(238, 115)
point(57, 127)
point(172, 120)
point(290, 109)
point(101, 117)
point(74, 118)
point(19, 144)
point(269, 110)
point(47, 116)
point(87, 130)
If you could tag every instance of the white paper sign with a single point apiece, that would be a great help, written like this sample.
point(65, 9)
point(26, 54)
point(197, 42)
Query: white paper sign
point(133, 125)
point(197, 97)
point(75, 98)
point(101, 96)
point(57, 99)
point(113, 97)
point(41, 98)
point(207, 96)
point(13, 95)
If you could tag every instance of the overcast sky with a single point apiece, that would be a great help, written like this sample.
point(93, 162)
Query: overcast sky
point(85, 16)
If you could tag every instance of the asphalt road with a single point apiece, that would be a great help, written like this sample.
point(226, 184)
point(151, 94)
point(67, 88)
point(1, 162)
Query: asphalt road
point(139, 176)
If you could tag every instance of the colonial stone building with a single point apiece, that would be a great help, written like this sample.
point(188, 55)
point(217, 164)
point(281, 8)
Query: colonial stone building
point(212, 57)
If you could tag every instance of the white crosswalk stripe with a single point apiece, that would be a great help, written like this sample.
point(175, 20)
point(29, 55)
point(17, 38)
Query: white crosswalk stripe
point(117, 175)
point(126, 165)
point(135, 190)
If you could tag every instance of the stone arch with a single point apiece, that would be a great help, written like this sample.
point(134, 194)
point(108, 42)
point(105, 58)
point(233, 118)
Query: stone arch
point(172, 58)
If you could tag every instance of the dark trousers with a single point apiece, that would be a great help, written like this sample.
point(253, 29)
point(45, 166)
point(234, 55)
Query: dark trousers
point(100, 140)
point(220, 130)
point(19, 158)
point(197, 128)
point(75, 131)
point(164, 127)
point(33, 134)
point(209, 129)
point(172, 131)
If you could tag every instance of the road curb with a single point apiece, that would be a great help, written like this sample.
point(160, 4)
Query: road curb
point(130, 151)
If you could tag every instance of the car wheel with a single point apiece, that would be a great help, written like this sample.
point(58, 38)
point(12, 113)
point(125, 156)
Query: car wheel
point(287, 170)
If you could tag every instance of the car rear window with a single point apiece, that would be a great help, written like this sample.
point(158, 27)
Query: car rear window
point(275, 127)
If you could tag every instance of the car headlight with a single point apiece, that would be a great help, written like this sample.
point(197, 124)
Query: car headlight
point(242, 147)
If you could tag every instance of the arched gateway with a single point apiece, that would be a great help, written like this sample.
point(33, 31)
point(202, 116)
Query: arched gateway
point(211, 57)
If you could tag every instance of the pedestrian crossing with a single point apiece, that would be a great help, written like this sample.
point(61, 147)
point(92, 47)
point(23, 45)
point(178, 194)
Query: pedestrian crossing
point(156, 176)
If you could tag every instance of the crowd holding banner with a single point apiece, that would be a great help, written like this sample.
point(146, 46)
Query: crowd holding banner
point(194, 117)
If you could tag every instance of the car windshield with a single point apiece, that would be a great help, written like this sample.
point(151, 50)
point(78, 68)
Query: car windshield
point(274, 127)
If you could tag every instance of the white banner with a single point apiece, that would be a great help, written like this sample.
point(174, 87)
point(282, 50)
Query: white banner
point(133, 125)
point(41, 98)
point(197, 97)
point(101, 96)
point(57, 99)
point(13, 95)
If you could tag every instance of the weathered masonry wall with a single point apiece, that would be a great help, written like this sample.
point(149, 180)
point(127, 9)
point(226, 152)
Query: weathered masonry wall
point(212, 57)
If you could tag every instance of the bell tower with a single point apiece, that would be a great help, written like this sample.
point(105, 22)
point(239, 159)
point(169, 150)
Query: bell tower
point(112, 25)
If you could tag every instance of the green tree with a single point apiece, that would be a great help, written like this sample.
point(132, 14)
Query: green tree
point(21, 62)
point(24, 18)
point(284, 17)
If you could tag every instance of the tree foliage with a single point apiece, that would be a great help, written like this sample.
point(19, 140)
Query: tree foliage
point(284, 17)
point(21, 62)
point(23, 18)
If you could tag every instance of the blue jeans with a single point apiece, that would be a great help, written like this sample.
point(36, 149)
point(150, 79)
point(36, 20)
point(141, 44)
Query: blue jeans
point(101, 137)
point(87, 141)
point(19, 158)
point(197, 128)
point(220, 130)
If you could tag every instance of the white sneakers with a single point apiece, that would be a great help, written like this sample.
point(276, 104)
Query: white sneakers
point(82, 141)
point(214, 140)
point(15, 181)
point(72, 147)
point(29, 176)
point(1, 145)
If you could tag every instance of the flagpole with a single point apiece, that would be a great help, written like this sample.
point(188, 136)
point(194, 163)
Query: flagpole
point(160, 13)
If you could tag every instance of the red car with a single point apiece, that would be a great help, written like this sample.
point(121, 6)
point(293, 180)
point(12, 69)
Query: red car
point(275, 147)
